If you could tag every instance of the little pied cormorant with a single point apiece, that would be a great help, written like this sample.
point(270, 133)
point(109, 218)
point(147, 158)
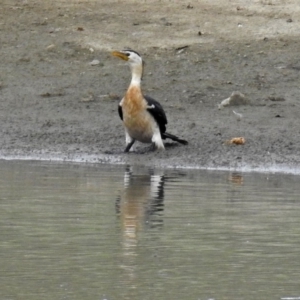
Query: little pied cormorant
point(143, 117)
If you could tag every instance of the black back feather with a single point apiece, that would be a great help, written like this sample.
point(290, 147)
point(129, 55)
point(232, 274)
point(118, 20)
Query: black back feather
point(157, 112)
point(120, 112)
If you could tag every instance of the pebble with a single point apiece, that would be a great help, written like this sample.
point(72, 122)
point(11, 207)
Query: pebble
point(276, 98)
point(95, 62)
point(235, 99)
point(50, 47)
point(88, 98)
point(238, 115)
point(54, 30)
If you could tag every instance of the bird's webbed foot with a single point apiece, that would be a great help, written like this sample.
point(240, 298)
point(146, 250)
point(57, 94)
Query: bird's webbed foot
point(153, 147)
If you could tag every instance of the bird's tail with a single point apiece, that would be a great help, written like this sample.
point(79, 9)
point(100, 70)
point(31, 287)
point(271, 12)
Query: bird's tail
point(174, 138)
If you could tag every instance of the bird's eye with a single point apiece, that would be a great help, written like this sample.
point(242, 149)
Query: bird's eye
point(127, 54)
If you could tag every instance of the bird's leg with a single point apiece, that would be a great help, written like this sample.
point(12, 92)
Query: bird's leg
point(128, 146)
point(156, 139)
point(129, 141)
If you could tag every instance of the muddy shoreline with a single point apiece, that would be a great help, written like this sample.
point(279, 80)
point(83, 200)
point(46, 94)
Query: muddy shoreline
point(58, 105)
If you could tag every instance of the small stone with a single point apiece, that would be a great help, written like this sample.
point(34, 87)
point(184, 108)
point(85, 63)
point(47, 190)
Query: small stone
point(95, 62)
point(54, 30)
point(50, 47)
point(24, 59)
point(55, 93)
point(235, 99)
point(114, 96)
point(276, 99)
point(89, 98)
point(239, 116)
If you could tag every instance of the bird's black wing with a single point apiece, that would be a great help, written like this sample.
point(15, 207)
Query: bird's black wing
point(120, 112)
point(157, 112)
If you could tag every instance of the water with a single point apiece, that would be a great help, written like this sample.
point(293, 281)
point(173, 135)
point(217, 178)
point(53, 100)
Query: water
point(112, 232)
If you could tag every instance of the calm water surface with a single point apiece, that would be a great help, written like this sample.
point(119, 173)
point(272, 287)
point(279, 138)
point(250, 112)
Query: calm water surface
point(115, 232)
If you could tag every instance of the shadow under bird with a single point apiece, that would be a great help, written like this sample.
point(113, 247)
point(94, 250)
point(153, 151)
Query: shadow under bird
point(143, 117)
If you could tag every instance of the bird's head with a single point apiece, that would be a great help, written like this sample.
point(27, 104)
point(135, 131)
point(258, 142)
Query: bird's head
point(135, 62)
point(131, 56)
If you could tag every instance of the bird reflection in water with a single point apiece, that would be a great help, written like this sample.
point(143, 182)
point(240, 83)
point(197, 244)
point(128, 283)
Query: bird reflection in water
point(139, 207)
point(141, 202)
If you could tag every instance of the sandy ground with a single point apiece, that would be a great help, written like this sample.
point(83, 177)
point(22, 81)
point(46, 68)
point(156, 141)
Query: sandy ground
point(55, 104)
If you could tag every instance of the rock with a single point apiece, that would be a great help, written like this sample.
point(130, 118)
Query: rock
point(239, 116)
point(235, 99)
point(54, 30)
point(24, 59)
point(276, 99)
point(50, 47)
point(55, 93)
point(90, 97)
point(110, 96)
point(114, 96)
point(95, 62)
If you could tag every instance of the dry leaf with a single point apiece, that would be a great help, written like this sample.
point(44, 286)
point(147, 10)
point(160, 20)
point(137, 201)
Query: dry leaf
point(236, 141)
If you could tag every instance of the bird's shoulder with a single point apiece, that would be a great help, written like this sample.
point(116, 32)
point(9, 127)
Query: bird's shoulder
point(156, 110)
point(150, 101)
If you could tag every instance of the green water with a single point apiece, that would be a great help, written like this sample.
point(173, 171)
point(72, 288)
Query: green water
point(72, 231)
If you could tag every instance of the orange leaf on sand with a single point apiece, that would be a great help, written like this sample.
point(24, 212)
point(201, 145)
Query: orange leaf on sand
point(236, 141)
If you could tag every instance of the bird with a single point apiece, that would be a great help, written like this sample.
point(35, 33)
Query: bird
point(143, 117)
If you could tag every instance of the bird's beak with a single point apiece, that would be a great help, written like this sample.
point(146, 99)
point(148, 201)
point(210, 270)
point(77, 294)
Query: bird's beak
point(120, 55)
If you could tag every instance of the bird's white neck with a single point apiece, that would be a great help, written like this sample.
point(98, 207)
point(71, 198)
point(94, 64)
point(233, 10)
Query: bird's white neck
point(137, 73)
